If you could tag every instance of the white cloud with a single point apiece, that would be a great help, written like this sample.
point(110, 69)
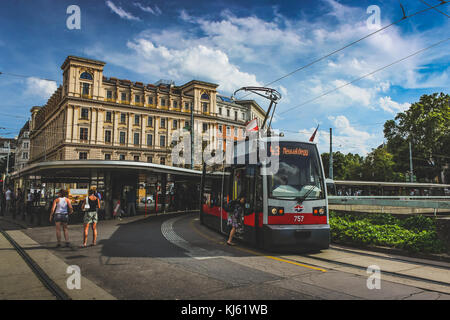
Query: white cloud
point(120, 12)
point(387, 104)
point(155, 11)
point(41, 88)
point(199, 62)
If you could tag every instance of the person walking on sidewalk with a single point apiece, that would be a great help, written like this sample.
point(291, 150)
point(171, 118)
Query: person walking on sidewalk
point(131, 203)
point(61, 208)
point(8, 198)
point(90, 216)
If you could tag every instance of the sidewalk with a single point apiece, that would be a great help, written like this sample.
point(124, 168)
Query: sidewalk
point(18, 282)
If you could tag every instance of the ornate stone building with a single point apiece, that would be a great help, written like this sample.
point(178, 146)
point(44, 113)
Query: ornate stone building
point(94, 117)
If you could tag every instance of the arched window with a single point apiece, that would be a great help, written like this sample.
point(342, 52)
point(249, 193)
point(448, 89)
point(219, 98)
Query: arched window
point(86, 75)
point(205, 96)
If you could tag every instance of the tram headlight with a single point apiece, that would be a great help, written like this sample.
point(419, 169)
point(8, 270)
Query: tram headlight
point(276, 211)
point(320, 211)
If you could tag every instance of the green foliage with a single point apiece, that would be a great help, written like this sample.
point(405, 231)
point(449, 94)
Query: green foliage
point(415, 234)
point(427, 124)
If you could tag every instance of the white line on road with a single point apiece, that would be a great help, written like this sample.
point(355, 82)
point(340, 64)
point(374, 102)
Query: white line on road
point(192, 251)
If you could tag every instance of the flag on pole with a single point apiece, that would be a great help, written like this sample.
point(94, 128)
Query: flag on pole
point(313, 135)
point(252, 126)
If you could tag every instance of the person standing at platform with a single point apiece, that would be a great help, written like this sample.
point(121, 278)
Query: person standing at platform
point(61, 208)
point(90, 217)
point(131, 203)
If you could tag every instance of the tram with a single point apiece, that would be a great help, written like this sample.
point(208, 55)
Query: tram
point(284, 210)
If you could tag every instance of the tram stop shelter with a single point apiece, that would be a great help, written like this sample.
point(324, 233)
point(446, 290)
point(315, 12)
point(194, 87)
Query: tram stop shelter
point(155, 187)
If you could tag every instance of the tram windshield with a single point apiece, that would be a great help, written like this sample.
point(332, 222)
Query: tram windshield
point(299, 175)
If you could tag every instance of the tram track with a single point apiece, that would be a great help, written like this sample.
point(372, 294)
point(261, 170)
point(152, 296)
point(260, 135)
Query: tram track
point(43, 277)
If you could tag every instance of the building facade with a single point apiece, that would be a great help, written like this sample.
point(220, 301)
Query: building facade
point(94, 117)
point(22, 153)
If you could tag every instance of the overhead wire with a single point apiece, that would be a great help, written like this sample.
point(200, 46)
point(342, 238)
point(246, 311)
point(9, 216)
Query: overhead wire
point(350, 44)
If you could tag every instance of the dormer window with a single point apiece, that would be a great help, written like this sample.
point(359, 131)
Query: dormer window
point(205, 96)
point(86, 76)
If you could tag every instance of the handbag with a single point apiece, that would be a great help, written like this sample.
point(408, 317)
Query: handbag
point(86, 205)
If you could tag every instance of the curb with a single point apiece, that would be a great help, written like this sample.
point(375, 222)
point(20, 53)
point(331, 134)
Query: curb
point(433, 257)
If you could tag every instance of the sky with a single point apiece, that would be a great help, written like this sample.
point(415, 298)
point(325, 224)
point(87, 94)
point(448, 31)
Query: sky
point(239, 43)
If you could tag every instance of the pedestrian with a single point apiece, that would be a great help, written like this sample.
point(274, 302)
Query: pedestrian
point(131, 203)
point(117, 211)
point(8, 199)
point(235, 215)
point(90, 217)
point(29, 203)
point(61, 208)
point(20, 202)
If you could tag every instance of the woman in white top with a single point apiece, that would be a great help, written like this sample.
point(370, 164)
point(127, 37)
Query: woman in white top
point(62, 207)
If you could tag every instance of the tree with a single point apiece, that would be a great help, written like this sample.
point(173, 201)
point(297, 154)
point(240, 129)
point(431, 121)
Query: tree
point(427, 125)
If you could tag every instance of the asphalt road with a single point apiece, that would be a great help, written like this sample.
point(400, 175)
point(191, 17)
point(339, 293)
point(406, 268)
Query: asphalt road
point(174, 257)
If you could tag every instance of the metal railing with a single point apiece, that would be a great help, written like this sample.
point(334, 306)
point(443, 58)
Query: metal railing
point(430, 202)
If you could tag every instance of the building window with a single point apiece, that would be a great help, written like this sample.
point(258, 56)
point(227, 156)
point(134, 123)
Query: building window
point(84, 134)
point(220, 129)
point(25, 145)
point(235, 115)
point(243, 115)
point(205, 127)
point(163, 123)
point(149, 159)
point(220, 111)
point(108, 136)
point(175, 124)
point(121, 157)
point(122, 137)
point(150, 100)
point(123, 118)
point(235, 132)
point(162, 160)
point(137, 99)
point(136, 158)
point(109, 94)
point(136, 138)
point(24, 155)
point(86, 75)
point(83, 156)
point(163, 102)
point(149, 140)
point(86, 89)
point(186, 125)
point(205, 96)
point(228, 131)
point(162, 141)
point(175, 104)
point(150, 121)
point(107, 156)
point(123, 96)
point(84, 113)
point(186, 105)
point(205, 107)
point(136, 120)
point(108, 116)
point(228, 112)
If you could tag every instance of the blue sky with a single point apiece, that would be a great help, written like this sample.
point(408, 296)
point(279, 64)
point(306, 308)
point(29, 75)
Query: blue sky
point(234, 44)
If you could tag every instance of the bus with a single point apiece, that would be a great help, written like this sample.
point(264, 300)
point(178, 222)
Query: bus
point(284, 210)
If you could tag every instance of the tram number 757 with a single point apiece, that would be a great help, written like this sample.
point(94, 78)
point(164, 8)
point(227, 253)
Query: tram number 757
point(298, 219)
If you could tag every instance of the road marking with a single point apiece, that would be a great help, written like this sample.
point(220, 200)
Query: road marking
point(255, 252)
point(192, 251)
